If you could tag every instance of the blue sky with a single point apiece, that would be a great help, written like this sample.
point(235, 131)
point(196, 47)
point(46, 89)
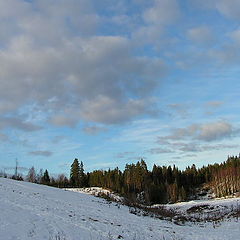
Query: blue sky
point(110, 82)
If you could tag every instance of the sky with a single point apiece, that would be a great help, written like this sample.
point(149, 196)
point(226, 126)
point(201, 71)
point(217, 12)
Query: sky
point(110, 82)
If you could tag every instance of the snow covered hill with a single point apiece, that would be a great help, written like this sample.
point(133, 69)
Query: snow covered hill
point(98, 192)
point(31, 211)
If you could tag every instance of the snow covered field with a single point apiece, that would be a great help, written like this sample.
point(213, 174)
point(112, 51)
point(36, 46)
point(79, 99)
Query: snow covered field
point(31, 211)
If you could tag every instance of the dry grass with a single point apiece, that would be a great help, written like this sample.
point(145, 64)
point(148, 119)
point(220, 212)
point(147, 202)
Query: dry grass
point(196, 214)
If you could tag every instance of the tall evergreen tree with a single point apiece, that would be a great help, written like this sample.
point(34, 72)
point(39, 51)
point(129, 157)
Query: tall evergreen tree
point(82, 176)
point(46, 178)
point(75, 173)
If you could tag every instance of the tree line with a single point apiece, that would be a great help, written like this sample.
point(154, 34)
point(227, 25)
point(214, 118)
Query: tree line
point(161, 184)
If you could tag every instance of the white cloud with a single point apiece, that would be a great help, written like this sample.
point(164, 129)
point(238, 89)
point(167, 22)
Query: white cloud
point(148, 34)
point(114, 111)
point(201, 35)
point(76, 73)
point(206, 132)
point(214, 131)
point(51, 51)
point(156, 16)
point(180, 144)
point(12, 122)
point(13, 8)
point(67, 118)
point(203, 4)
point(93, 130)
point(162, 12)
point(235, 35)
point(230, 8)
point(227, 55)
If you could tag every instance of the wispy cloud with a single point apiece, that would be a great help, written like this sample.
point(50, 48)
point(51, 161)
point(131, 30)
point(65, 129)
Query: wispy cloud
point(206, 132)
point(159, 150)
point(179, 109)
point(13, 122)
point(41, 153)
point(94, 130)
point(214, 104)
point(201, 35)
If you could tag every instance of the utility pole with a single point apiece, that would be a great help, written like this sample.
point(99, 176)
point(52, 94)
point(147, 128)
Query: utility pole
point(16, 168)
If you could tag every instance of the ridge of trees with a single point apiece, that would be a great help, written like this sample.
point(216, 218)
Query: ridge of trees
point(168, 184)
point(162, 184)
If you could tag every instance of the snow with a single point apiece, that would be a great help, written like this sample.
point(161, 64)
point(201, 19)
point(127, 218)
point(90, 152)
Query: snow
point(98, 191)
point(31, 211)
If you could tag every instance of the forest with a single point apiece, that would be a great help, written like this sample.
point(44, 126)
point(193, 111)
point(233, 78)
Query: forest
point(161, 184)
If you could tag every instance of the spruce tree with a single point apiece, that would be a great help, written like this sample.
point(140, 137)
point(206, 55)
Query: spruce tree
point(75, 173)
point(82, 177)
point(46, 178)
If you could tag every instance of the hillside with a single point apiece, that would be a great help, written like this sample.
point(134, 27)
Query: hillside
point(31, 211)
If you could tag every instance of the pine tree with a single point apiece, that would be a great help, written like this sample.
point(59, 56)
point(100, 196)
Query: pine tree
point(75, 173)
point(46, 178)
point(82, 177)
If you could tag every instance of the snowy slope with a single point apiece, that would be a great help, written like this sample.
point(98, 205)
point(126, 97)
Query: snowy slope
point(30, 211)
point(97, 191)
